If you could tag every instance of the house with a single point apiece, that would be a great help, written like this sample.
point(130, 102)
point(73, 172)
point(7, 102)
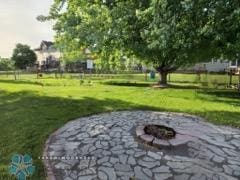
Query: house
point(85, 62)
point(234, 67)
point(216, 65)
point(48, 56)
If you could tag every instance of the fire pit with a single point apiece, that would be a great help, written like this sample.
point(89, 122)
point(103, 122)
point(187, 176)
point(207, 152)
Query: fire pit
point(160, 131)
point(160, 136)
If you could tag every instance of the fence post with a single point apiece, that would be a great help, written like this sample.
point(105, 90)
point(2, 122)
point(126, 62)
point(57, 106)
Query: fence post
point(239, 80)
point(230, 78)
point(15, 76)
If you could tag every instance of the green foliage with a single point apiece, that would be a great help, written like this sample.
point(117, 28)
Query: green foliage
point(23, 56)
point(72, 56)
point(167, 33)
point(106, 62)
point(6, 64)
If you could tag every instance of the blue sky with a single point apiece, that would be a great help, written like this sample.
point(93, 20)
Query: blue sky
point(18, 24)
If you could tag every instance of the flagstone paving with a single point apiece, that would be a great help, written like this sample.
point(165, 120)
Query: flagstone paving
point(105, 146)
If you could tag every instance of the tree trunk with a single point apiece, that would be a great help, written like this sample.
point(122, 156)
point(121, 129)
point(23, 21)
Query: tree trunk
point(163, 78)
point(163, 71)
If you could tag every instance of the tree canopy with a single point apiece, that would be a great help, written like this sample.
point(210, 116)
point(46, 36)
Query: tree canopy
point(23, 56)
point(167, 33)
point(5, 64)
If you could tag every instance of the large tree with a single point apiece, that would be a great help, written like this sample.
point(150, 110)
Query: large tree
point(23, 56)
point(167, 33)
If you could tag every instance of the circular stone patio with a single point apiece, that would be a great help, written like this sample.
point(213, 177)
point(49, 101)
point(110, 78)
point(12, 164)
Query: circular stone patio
point(105, 146)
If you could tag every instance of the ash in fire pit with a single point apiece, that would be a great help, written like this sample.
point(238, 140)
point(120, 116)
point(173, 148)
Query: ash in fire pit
point(160, 131)
point(160, 136)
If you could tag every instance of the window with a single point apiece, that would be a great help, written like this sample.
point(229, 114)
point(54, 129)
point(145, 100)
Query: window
point(233, 63)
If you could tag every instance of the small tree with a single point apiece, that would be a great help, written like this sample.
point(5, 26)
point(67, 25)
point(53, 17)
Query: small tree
point(23, 56)
point(6, 64)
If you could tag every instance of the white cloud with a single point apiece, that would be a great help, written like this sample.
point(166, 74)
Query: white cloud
point(18, 24)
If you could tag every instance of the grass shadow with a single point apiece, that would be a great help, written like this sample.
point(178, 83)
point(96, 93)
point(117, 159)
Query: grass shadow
point(148, 84)
point(223, 93)
point(27, 119)
point(230, 97)
point(127, 84)
point(178, 81)
point(174, 86)
point(19, 82)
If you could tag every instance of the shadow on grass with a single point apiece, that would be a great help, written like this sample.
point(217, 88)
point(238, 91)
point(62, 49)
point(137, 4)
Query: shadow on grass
point(20, 82)
point(148, 84)
point(113, 83)
point(178, 81)
point(174, 86)
point(233, 94)
point(127, 84)
point(230, 97)
point(27, 119)
point(231, 118)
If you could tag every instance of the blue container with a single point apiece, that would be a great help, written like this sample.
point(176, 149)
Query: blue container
point(152, 75)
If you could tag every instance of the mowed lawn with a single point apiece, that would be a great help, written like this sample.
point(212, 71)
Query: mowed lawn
point(31, 109)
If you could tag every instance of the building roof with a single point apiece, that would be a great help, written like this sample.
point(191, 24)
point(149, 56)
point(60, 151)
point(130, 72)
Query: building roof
point(47, 44)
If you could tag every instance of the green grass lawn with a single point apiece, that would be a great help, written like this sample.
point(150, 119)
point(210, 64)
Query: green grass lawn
point(31, 109)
